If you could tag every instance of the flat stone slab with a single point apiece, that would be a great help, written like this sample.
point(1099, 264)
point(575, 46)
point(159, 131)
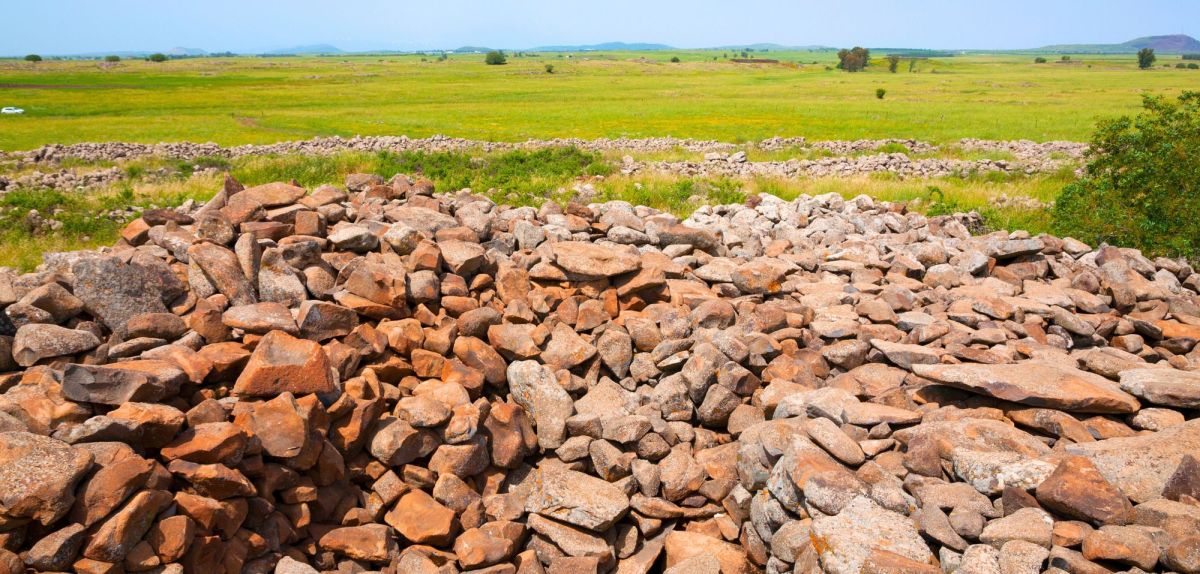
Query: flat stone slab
point(1141, 465)
point(1168, 387)
point(1036, 383)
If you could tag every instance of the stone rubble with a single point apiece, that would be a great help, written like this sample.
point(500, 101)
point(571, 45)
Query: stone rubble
point(851, 158)
point(377, 378)
point(112, 151)
point(736, 166)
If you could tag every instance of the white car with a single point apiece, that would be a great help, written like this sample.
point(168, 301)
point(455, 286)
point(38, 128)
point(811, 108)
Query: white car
point(11, 110)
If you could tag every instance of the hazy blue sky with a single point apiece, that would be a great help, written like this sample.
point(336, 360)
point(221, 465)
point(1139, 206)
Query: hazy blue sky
point(73, 26)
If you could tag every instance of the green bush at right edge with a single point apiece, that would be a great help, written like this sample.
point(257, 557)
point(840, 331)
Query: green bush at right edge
point(1141, 186)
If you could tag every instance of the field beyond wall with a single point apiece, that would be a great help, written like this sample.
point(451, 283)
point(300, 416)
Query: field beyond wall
point(636, 94)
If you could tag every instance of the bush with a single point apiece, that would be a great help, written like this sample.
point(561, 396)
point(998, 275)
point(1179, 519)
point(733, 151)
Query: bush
point(1194, 66)
point(1039, 60)
point(1146, 58)
point(1181, 66)
point(674, 59)
point(112, 58)
point(495, 58)
point(33, 58)
point(1141, 186)
point(1066, 59)
point(549, 68)
point(157, 57)
point(880, 93)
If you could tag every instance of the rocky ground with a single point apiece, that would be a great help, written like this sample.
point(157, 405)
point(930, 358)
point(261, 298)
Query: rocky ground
point(721, 158)
point(376, 377)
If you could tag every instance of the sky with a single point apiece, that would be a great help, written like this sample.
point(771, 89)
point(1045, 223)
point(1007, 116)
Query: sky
point(248, 26)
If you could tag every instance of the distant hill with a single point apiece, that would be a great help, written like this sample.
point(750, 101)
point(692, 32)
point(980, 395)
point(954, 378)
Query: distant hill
point(471, 50)
point(1172, 44)
point(306, 50)
point(773, 48)
point(177, 51)
point(605, 47)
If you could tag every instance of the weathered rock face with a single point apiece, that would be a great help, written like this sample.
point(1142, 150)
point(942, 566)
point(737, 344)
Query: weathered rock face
point(381, 378)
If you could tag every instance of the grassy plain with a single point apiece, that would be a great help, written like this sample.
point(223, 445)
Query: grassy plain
point(251, 100)
point(636, 94)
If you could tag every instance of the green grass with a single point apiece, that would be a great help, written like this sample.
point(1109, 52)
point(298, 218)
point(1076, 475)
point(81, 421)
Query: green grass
point(520, 177)
point(672, 194)
point(514, 178)
point(261, 100)
point(84, 224)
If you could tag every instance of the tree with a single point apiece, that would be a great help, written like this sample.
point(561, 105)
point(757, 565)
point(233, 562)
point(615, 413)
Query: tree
point(1146, 58)
point(549, 68)
point(674, 59)
point(33, 58)
point(157, 57)
point(495, 58)
point(893, 63)
point(854, 59)
point(880, 93)
point(112, 58)
point(1039, 60)
point(1141, 186)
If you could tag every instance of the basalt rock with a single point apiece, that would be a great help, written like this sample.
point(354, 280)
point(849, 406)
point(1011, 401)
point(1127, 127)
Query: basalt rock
point(385, 378)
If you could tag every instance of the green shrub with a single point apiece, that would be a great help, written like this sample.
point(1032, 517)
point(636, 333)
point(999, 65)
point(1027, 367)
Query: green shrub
point(1039, 60)
point(549, 68)
point(1194, 66)
point(33, 58)
point(112, 58)
point(157, 57)
point(1141, 186)
point(674, 59)
point(495, 58)
point(893, 63)
point(1146, 58)
point(880, 93)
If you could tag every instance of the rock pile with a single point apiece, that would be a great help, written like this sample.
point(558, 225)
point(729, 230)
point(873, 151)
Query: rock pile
point(736, 165)
point(1027, 151)
point(62, 179)
point(376, 377)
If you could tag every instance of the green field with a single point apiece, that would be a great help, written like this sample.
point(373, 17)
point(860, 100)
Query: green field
point(636, 94)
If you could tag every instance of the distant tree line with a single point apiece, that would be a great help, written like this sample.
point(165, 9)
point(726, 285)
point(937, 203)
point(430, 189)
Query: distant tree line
point(1191, 56)
point(854, 59)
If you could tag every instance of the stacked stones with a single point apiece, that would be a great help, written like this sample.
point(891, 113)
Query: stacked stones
point(735, 165)
point(1024, 150)
point(377, 378)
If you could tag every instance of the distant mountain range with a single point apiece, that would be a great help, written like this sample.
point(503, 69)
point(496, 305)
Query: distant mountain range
point(773, 47)
point(605, 47)
point(1172, 44)
point(306, 50)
